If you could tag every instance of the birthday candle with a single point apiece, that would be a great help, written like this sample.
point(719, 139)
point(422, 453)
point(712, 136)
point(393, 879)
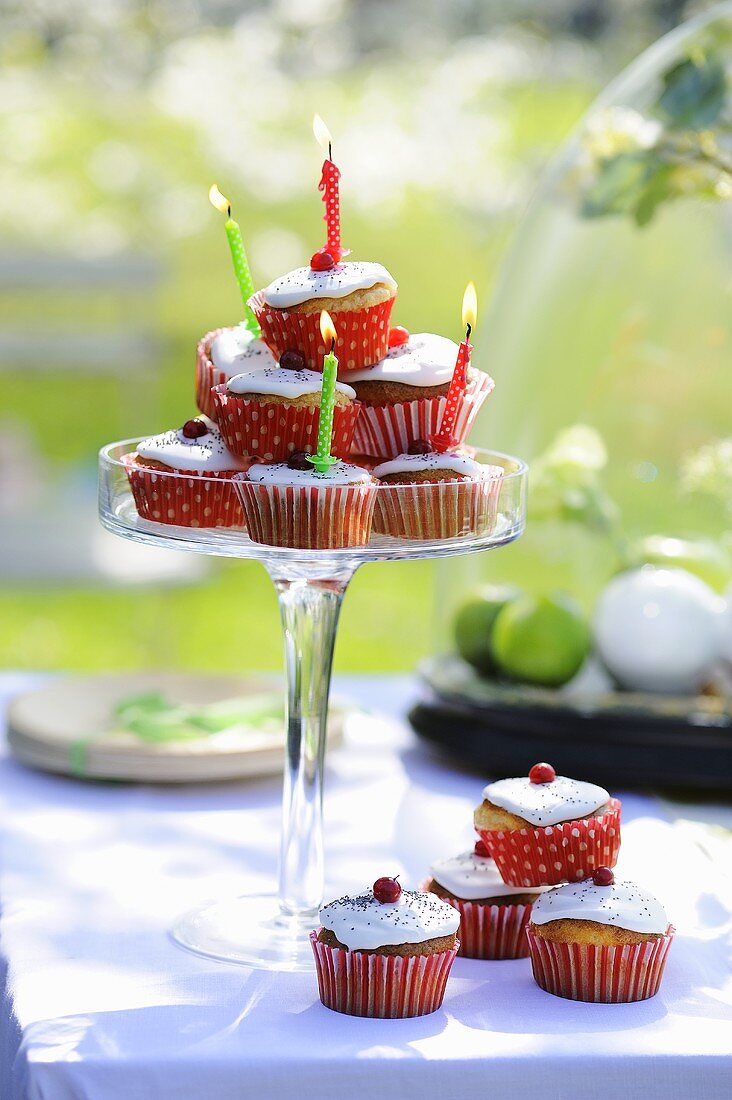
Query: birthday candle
point(329, 186)
point(323, 459)
point(238, 256)
point(445, 438)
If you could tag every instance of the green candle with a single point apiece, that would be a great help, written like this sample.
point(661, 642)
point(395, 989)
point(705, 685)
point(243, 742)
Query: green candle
point(238, 256)
point(323, 459)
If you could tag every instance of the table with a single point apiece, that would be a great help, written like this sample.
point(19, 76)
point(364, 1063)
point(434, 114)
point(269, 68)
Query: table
point(98, 1004)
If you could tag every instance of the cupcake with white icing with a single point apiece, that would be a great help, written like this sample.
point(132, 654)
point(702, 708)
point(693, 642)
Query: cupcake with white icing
point(429, 494)
point(404, 396)
point(601, 939)
point(359, 298)
point(493, 914)
point(292, 504)
point(223, 353)
point(545, 828)
point(386, 952)
point(270, 413)
point(185, 477)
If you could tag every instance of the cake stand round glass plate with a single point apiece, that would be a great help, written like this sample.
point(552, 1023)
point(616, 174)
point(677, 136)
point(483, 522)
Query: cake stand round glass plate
point(271, 931)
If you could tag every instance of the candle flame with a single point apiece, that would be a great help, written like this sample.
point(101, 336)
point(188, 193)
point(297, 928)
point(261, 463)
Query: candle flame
point(470, 305)
point(327, 328)
point(218, 200)
point(322, 133)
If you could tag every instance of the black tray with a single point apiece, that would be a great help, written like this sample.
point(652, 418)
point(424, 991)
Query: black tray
point(621, 740)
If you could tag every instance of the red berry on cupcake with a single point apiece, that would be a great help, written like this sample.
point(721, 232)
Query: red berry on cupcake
point(194, 429)
point(603, 876)
point(420, 447)
point(481, 849)
point(322, 261)
point(299, 460)
point(293, 360)
point(387, 890)
point(398, 336)
point(542, 773)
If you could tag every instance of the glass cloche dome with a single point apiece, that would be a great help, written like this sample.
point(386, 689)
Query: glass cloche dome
point(609, 339)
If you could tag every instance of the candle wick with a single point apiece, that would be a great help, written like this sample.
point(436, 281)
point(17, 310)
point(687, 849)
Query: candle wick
point(330, 151)
point(468, 330)
point(228, 209)
point(332, 345)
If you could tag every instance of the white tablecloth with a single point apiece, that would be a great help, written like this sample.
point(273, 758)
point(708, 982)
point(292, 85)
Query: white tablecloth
point(99, 1004)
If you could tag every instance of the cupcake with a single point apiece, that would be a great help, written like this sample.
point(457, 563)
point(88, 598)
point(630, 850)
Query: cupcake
point(223, 353)
point(435, 495)
point(600, 940)
point(544, 828)
point(359, 297)
point(273, 412)
point(185, 477)
point(493, 914)
point(405, 395)
point(291, 504)
point(385, 953)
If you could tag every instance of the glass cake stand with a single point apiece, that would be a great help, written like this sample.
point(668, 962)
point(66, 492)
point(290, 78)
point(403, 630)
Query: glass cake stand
point(271, 931)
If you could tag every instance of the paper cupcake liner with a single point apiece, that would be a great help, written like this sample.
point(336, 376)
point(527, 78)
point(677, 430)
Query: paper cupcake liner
point(184, 498)
point(272, 432)
point(598, 972)
point(362, 340)
point(386, 431)
point(552, 854)
point(490, 931)
point(307, 517)
point(438, 510)
point(391, 987)
point(207, 375)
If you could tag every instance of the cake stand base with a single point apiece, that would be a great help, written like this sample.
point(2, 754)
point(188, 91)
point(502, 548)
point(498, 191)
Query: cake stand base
point(250, 931)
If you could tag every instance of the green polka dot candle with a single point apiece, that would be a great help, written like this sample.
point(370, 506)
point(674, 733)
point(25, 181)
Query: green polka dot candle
point(238, 256)
point(322, 460)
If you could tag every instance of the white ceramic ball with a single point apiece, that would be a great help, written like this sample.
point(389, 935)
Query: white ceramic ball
point(659, 629)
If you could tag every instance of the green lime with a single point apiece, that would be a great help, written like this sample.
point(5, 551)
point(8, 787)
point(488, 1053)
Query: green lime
point(705, 558)
point(474, 624)
point(541, 640)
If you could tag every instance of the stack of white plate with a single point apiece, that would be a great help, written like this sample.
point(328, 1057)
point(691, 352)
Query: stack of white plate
point(69, 726)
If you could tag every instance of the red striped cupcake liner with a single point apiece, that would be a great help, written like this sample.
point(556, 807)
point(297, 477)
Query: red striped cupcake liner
point(551, 854)
point(184, 498)
point(362, 334)
point(599, 972)
point(307, 517)
point(207, 375)
point(386, 987)
point(490, 931)
point(438, 510)
point(386, 431)
point(271, 432)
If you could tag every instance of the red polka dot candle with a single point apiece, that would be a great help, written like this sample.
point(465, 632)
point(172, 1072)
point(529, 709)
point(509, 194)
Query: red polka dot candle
point(445, 438)
point(329, 181)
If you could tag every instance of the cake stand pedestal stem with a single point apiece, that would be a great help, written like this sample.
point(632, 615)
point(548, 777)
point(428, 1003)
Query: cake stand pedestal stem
point(309, 608)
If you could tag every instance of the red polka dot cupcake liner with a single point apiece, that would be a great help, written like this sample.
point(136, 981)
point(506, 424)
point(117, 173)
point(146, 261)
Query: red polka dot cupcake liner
point(184, 498)
point(390, 987)
point(599, 972)
point(362, 334)
point(551, 854)
point(207, 375)
point(438, 510)
point(307, 517)
point(386, 431)
point(271, 432)
point(491, 931)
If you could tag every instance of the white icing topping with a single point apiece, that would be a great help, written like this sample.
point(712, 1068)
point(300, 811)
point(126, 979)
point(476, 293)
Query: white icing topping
point(279, 473)
point(469, 876)
point(624, 905)
point(235, 350)
point(207, 454)
point(425, 360)
point(284, 383)
point(303, 284)
point(455, 463)
point(363, 924)
point(546, 803)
